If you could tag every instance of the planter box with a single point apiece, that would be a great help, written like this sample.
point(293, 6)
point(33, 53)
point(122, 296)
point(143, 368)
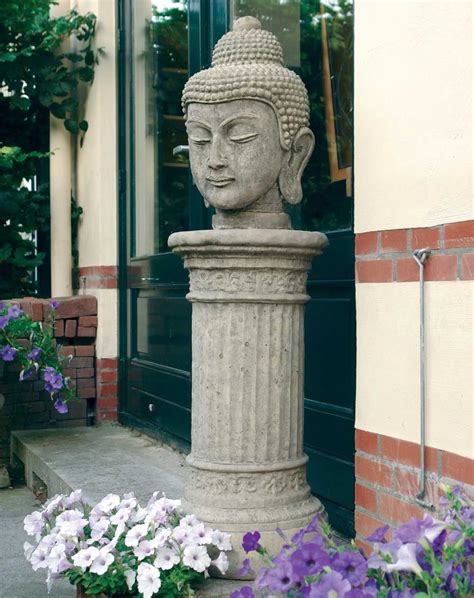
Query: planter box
point(80, 593)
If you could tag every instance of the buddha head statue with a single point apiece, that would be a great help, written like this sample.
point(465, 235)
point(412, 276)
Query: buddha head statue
point(247, 123)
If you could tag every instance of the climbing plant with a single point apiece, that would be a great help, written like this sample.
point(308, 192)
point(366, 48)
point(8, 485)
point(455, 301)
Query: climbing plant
point(38, 77)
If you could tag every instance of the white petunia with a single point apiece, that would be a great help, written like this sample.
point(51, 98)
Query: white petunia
point(183, 536)
point(99, 528)
point(39, 558)
point(190, 520)
point(84, 557)
point(57, 501)
point(143, 550)
point(71, 529)
point(148, 578)
point(134, 535)
point(160, 538)
point(28, 550)
point(222, 563)
point(221, 540)
point(69, 515)
point(166, 558)
point(138, 515)
point(196, 558)
point(406, 560)
point(109, 502)
point(201, 534)
point(56, 556)
point(130, 577)
point(128, 502)
point(121, 516)
point(74, 497)
point(102, 562)
point(33, 523)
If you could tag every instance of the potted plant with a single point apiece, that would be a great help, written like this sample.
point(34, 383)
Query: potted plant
point(119, 548)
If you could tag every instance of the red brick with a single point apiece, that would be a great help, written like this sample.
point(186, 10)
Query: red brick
point(459, 234)
point(407, 270)
point(66, 350)
point(401, 451)
point(393, 240)
point(431, 459)
point(106, 403)
point(467, 266)
point(374, 271)
point(107, 375)
point(458, 468)
point(107, 363)
point(88, 321)
point(88, 332)
point(365, 524)
point(86, 393)
point(73, 307)
point(366, 498)
point(82, 362)
point(85, 350)
point(396, 510)
point(406, 482)
point(366, 441)
point(371, 471)
point(71, 328)
point(85, 373)
point(32, 308)
point(441, 267)
point(364, 547)
point(59, 328)
point(85, 383)
point(425, 237)
point(366, 243)
point(107, 390)
point(70, 372)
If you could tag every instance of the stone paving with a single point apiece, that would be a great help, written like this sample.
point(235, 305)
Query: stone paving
point(17, 578)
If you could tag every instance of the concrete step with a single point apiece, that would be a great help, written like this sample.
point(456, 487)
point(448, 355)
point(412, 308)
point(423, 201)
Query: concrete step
point(104, 459)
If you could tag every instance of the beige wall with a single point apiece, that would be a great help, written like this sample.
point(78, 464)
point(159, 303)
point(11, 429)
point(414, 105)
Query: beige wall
point(388, 362)
point(413, 113)
point(97, 173)
point(413, 168)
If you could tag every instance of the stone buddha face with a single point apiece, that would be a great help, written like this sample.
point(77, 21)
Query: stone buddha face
point(237, 157)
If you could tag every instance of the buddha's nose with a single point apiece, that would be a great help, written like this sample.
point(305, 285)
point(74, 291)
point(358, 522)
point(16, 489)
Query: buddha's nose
point(217, 158)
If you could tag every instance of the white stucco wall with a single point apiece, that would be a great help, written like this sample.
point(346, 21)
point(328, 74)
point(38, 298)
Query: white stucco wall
point(413, 113)
point(388, 362)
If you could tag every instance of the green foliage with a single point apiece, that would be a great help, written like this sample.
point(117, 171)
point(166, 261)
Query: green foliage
point(38, 77)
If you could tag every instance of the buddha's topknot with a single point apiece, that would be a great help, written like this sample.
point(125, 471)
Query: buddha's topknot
point(247, 63)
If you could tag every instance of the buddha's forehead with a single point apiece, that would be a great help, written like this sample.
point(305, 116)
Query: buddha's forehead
point(253, 112)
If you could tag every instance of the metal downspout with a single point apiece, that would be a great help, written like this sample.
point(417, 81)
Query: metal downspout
point(421, 256)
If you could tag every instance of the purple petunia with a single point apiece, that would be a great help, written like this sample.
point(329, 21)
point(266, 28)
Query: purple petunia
point(378, 535)
point(61, 406)
point(250, 541)
point(54, 380)
point(281, 578)
point(26, 374)
point(309, 559)
point(54, 304)
point(8, 353)
point(244, 592)
point(34, 354)
point(331, 584)
point(14, 312)
point(245, 569)
point(4, 321)
point(352, 566)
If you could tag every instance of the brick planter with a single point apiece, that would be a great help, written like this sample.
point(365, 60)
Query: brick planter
point(25, 404)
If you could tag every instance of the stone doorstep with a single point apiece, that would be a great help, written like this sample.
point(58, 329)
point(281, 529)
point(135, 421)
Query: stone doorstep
point(103, 459)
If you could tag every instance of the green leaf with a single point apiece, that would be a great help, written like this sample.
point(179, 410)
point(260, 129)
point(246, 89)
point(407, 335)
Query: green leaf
point(86, 73)
point(72, 126)
point(57, 110)
point(21, 102)
point(84, 125)
point(7, 57)
point(89, 58)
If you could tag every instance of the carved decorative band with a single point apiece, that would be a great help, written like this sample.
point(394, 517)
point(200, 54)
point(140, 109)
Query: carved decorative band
point(257, 281)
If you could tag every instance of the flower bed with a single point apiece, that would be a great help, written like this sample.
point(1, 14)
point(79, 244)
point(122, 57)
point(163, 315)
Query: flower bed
point(118, 548)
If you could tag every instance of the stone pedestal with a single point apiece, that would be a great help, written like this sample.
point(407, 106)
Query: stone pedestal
point(248, 293)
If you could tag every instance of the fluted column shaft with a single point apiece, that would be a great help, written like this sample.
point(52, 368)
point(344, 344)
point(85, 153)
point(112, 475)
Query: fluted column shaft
point(248, 289)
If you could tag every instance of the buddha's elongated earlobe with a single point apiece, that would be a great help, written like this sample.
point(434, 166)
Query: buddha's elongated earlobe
point(295, 162)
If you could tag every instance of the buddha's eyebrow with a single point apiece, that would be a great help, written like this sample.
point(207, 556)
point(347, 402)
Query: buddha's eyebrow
point(237, 117)
point(198, 122)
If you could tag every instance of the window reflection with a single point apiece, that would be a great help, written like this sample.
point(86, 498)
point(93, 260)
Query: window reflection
point(317, 40)
point(160, 70)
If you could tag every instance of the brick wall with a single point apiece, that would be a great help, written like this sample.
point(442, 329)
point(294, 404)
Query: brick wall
point(386, 256)
point(25, 404)
point(387, 480)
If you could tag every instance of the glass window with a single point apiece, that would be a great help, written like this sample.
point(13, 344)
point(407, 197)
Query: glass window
point(160, 70)
point(317, 40)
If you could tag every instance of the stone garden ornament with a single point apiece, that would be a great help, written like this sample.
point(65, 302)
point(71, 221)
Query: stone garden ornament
point(249, 142)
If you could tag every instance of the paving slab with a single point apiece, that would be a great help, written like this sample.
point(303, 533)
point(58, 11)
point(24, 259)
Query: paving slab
point(99, 460)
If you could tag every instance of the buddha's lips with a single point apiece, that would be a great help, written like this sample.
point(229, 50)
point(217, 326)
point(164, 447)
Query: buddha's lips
point(220, 182)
